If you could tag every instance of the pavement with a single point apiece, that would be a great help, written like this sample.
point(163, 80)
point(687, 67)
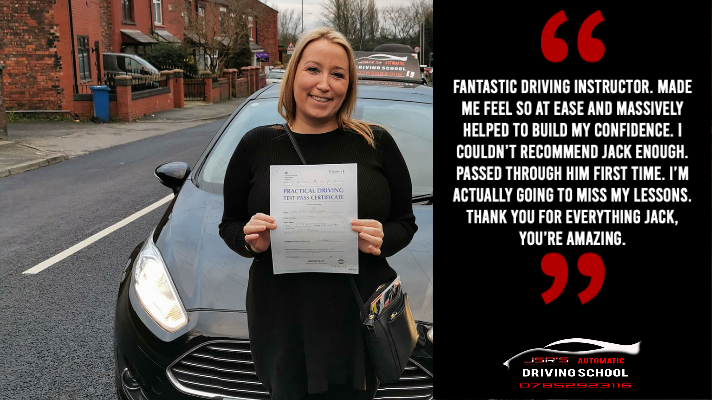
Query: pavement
point(34, 144)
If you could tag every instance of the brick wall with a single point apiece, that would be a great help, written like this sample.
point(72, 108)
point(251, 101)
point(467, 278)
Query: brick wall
point(129, 106)
point(64, 53)
point(267, 31)
point(242, 88)
point(173, 20)
point(86, 22)
point(142, 19)
point(151, 105)
point(84, 109)
point(107, 25)
point(33, 67)
point(224, 89)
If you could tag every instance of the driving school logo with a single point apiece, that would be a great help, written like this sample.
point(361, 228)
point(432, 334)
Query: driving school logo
point(382, 57)
point(604, 347)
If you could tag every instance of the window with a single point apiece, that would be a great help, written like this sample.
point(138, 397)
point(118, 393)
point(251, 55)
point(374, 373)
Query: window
point(84, 61)
point(187, 7)
point(201, 10)
point(133, 66)
point(157, 12)
point(249, 28)
point(223, 21)
point(127, 10)
point(121, 63)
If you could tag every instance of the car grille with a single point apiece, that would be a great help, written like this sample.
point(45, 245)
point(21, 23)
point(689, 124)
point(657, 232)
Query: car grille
point(225, 369)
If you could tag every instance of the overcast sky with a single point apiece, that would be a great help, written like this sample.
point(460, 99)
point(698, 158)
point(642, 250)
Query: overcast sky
point(313, 8)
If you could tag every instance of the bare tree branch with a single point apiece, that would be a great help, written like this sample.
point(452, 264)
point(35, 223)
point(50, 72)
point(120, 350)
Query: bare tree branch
point(221, 34)
point(289, 26)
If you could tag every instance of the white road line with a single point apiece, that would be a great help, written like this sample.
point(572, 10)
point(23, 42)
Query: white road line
point(86, 242)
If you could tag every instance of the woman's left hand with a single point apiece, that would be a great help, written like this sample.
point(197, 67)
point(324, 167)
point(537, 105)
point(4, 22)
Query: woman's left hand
point(370, 235)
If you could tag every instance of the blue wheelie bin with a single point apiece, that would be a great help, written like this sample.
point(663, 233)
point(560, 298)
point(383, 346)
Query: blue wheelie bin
point(101, 102)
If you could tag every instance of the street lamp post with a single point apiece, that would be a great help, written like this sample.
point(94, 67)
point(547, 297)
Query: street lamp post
point(303, 16)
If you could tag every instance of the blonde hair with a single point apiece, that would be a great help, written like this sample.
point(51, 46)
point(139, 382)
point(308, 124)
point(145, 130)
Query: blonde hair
point(287, 105)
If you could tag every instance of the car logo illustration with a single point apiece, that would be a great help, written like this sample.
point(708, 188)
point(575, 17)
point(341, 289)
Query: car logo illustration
point(383, 57)
point(606, 347)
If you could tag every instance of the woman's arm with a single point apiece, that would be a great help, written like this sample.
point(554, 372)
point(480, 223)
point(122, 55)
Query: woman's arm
point(398, 231)
point(235, 193)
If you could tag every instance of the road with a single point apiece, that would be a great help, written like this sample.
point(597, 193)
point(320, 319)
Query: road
point(57, 326)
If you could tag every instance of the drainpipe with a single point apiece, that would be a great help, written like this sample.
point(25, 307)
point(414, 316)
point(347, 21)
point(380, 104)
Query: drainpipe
point(150, 12)
point(3, 119)
point(71, 41)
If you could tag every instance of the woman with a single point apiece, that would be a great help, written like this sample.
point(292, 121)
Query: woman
point(305, 332)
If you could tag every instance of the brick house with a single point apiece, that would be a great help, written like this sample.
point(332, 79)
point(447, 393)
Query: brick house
point(261, 19)
point(46, 53)
point(52, 48)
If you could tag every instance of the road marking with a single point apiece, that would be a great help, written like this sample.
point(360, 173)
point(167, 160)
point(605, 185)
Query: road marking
point(86, 242)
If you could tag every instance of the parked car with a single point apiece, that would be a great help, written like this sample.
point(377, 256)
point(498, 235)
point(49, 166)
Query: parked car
point(121, 64)
point(130, 64)
point(275, 76)
point(180, 329)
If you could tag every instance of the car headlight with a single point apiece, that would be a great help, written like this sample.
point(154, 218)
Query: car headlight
point(430, 334)
point(155, 291)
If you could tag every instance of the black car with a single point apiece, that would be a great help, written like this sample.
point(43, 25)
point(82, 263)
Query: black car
point(181, 325)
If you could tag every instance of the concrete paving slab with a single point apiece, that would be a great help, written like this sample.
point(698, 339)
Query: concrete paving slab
point(16, 158)
point(34, 144)
point(195, 111)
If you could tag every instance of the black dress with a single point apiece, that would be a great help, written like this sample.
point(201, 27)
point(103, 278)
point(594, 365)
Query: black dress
point(305, 331)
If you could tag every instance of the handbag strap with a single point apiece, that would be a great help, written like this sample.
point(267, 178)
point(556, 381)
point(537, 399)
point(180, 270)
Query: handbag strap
point(357, 296)
point(294, 143)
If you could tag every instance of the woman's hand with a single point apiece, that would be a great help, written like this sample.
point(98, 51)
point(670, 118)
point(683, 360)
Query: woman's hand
point(370, 237)
point(257, 232)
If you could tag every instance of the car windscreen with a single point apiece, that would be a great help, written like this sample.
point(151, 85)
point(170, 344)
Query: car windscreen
point(141, 62)
point(410, 124)
point(275, 75)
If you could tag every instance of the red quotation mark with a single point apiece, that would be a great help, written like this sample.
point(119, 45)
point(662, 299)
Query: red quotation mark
point(589, 264)
point(555, 49)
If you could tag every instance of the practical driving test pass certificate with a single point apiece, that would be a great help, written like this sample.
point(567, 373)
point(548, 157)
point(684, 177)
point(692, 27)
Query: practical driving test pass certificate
point(313, 206)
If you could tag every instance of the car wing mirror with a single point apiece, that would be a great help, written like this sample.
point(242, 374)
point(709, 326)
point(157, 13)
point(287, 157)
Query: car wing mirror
point(173, 175)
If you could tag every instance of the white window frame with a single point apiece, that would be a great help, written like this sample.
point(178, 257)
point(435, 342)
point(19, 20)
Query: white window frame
point(249, 25)
point(223, 18)
point(157, 12)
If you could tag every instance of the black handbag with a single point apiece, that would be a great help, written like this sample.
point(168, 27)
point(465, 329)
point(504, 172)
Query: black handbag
point(391, 335)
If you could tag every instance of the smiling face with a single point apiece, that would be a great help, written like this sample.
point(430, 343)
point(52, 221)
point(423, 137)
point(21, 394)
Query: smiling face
point(320, 86)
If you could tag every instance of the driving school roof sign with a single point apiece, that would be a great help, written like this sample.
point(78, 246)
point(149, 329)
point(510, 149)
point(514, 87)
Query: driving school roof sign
point(381, 65)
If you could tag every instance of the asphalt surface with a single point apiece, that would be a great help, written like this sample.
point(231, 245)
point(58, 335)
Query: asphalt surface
point(57, 326)
point(35, 144)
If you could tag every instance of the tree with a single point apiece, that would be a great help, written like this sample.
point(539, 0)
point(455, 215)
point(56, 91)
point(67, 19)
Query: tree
point(404, 23)
point(222, 32)
point(243, 57)
point(289, 26)
point(357, 20)
point(340, 14)
point(366, 26)
point(168, 55)
point(400, 23)
point(428, 36)
point(372, 21)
